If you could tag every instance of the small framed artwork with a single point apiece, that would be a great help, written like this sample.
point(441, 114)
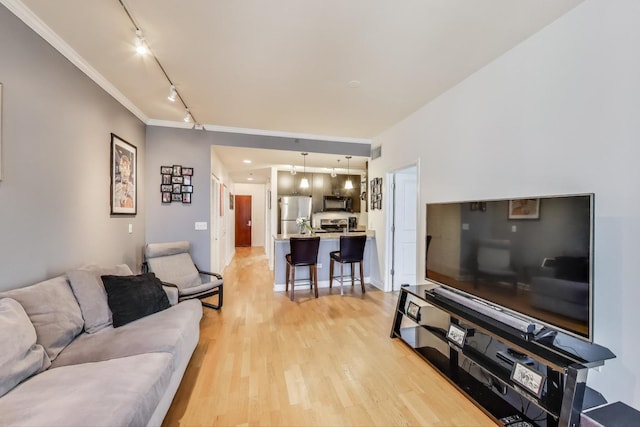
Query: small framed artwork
point(166, 170)
point(177, 170)
point(524, 209)
point(186, 179)
point(187, 189)
point(231, 200)
point(413, 311)
point(176, 183)
point(187, 171)
point(123, 177)
point(529, 378)
point(176, 197)
point(176, 179)
point(186, 197)
point(166, 197)
point(456, 334)
point(166, 179)
point(166, 188)
point(177, 188)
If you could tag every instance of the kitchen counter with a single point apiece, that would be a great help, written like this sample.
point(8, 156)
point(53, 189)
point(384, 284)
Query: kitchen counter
point(329, 242)
point(325, 235)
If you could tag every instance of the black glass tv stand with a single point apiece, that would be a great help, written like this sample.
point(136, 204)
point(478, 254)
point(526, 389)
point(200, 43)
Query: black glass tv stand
point(489, 362)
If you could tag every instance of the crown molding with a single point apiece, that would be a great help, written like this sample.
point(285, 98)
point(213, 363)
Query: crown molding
point(259, 132)
point(36, 24)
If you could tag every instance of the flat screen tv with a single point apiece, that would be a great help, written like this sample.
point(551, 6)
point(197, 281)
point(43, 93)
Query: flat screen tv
point(532, 256)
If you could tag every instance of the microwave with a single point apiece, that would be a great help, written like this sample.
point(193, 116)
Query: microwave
point(336, 203)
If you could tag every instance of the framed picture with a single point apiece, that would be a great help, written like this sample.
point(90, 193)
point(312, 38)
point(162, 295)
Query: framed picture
point(186, 197)
point(456, 334)
point(166, 170)
point(164, 188)
point(177, 188)
point(176, 197)
point(166, 197)
point(527, 377)
point(231, 200)
point(186, 179)
point(187, 189)
point(176, 179)
point(123, 177)
point(524, 209)
point(166, 179)
point(187, 171)
point(413, 311)
point(177, 170)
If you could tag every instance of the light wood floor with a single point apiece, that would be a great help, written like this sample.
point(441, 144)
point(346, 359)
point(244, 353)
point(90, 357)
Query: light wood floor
point(264, 360)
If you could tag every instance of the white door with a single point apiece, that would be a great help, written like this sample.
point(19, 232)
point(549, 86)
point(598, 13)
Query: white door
point(215, 225)
point(405, 228)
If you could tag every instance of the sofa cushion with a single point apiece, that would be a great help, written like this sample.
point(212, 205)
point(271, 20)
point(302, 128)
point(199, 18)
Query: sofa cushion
point(119, 392)
point(92, 298)
point(172, 330)
point(133, 297)
point(20, 357)
point(53, 310)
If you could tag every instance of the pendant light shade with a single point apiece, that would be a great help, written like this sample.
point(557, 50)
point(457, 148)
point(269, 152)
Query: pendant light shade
point(304, 182)
point(348, 185)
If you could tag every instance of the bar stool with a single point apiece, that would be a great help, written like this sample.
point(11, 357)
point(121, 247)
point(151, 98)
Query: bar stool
point(351, 251)
point(304, 252)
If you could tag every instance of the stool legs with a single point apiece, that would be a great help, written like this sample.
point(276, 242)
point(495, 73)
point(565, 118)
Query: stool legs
point(331, 273)
point(293, 280)
point(291, 277)
point(362, 276)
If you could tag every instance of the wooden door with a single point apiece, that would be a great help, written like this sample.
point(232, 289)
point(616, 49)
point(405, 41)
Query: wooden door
point(243, 220)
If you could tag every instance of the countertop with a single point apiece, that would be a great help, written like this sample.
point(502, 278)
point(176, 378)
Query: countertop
point(326, 236)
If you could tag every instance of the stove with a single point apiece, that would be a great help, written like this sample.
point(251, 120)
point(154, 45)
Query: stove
point(334, 225)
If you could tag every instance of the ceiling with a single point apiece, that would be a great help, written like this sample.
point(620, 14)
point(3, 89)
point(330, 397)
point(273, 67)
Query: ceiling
point(341, 70)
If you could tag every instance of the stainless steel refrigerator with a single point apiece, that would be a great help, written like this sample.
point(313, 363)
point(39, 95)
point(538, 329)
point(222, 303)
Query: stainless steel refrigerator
point(292, 208)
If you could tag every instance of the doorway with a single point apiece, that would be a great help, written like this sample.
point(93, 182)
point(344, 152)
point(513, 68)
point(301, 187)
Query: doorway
point(243, 220)
point(403, 227)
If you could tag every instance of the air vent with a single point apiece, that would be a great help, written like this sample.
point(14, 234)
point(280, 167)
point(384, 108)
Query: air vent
point(376, 152)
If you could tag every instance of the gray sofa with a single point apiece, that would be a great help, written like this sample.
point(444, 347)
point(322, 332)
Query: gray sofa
point(64, 364)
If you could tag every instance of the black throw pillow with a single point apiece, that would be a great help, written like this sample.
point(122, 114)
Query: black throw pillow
point(133, 297)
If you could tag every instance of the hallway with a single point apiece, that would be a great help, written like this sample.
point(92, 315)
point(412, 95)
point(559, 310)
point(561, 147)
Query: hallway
point(264, 360)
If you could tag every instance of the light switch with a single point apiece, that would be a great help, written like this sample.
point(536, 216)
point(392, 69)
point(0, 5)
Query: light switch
point(465, 226)
point(130, 228)
point(201, 225)
point(514, 228)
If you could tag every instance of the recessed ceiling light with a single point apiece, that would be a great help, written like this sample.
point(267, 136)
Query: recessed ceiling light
point(354, 84)
point(250, 178)
point(247, 161)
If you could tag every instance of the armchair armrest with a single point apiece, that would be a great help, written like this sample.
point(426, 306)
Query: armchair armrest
point(208, 273)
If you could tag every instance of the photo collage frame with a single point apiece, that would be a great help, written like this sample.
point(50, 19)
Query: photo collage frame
point(176, 184)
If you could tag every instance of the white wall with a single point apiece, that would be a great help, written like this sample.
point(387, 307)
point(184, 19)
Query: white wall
point(257, 193)
point(54, 195)
point(557, 114)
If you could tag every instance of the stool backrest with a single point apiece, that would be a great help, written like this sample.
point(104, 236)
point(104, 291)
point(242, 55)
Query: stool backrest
point(304, 250)
point(352, 248)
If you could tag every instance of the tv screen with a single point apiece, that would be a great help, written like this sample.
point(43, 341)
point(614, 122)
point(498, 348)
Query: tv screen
point(531, 256)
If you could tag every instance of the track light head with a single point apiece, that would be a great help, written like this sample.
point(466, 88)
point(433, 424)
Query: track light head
point(172, 94)
point(187, 115)
point(141, 45)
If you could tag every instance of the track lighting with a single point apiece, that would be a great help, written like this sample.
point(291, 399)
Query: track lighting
point(141, 45)
point(304, 183)
point(172, 94)
point(293, 170)
point(187, 115)
point(348, 185)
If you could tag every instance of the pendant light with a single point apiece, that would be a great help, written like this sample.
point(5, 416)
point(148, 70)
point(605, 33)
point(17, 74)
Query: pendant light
point(304, 182)
point(333, 171)
point(348, 185)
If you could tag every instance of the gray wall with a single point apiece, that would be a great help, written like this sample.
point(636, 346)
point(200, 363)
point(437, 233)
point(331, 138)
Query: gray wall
point(176, 221)
point(54, 196)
